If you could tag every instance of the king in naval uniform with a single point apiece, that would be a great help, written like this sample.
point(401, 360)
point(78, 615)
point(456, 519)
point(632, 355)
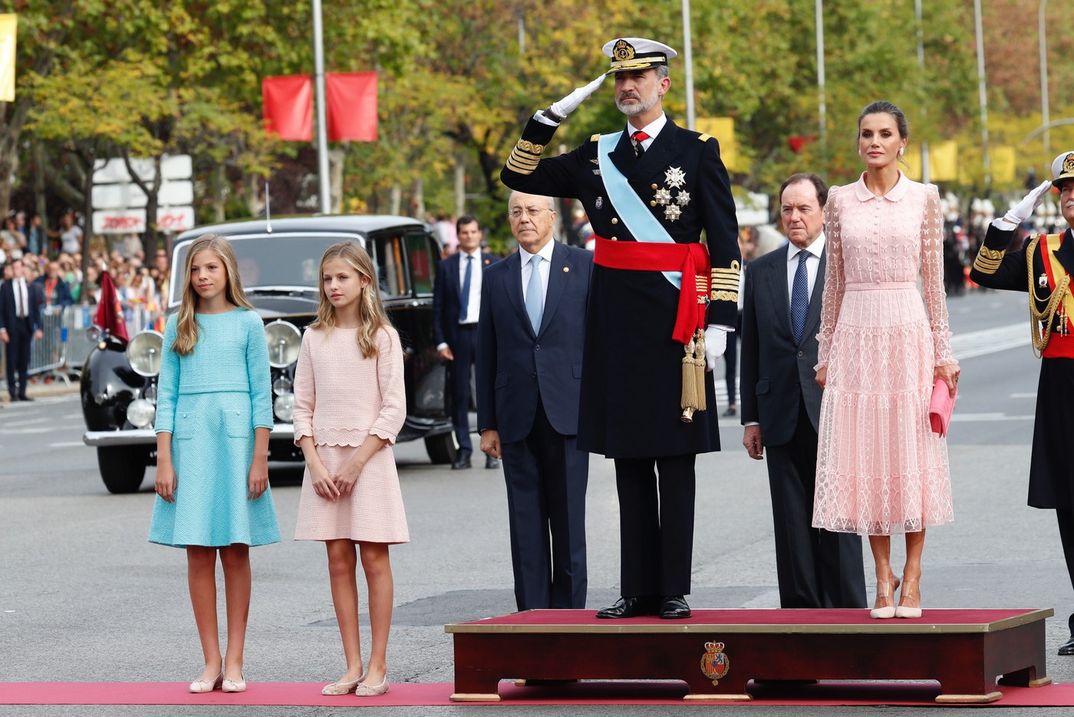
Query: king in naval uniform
point(661, 303)
point(1043, 266)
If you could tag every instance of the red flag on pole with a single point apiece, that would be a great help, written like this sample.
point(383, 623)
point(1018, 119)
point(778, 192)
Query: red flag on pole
point(351, 100)
point(109, 311)
point(287, 105)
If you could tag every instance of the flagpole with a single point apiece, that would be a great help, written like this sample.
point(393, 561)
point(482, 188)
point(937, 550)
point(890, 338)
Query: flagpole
point(322, 123)
point(688, 60)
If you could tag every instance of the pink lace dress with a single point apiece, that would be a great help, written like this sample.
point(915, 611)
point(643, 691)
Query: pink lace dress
point(880, 469)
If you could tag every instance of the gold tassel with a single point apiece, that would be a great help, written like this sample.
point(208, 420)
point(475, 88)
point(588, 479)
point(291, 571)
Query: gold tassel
point(693, 378)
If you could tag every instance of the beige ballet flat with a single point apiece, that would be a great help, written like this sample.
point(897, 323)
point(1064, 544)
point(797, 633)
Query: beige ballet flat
point(238, 685)
point(342, 688)
point(885, 592)
point(367, 690)
point(200, 686)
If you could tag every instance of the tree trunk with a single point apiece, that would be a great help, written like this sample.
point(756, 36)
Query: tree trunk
point(255, 203)
point(460, 185)
point(396, 201)
point(336, 158)
point(87, 230)
point(219, 192)
point(417, 198)
point(40, 205)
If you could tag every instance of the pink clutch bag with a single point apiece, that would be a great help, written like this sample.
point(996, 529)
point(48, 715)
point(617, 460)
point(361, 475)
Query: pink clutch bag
point(941, 406)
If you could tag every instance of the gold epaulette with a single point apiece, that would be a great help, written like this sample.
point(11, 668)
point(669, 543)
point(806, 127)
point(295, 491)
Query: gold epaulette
point(525, 156)
point(725, 283)
point(594, 138)
point(988, 260)
point(704, 137)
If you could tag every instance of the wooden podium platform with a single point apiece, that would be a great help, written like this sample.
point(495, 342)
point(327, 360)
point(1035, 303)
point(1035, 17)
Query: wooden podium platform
point(717, 652)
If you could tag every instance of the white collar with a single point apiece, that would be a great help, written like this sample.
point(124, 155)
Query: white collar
point(545, 252)
point(476, 253)
point(816, 248)
point(652, 129)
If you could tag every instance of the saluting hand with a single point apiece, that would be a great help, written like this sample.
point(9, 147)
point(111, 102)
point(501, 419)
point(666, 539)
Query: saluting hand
point(1024, 209)
point(562, 108)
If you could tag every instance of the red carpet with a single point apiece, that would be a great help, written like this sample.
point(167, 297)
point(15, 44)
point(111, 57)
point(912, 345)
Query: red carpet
point(433, 694)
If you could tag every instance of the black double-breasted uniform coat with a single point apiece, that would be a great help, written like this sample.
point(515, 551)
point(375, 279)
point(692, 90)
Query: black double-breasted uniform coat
point(632, 375)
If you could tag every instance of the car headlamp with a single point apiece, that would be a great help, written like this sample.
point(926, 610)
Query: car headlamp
point(140, 413)
point(284, 407)
point(284, 342)
point(143, 353)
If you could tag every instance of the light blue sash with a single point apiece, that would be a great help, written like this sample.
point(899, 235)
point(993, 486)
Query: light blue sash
point(633, 212)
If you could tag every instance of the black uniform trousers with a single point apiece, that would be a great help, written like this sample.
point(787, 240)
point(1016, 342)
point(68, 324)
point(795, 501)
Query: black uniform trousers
point(464, 349)
point(20, 336)
point(815, 568)
point(546, 478)
point(656, 527)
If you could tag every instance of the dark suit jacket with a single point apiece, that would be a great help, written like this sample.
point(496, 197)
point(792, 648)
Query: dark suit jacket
point(776, 372)
point(7, 306)
point(61, 295)
point(446, 297)
point(514, 366)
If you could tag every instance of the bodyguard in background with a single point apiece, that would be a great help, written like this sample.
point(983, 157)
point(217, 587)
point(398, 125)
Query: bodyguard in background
point(456, 310)
point(20, 324)
point(781, 403)
point(529, 368)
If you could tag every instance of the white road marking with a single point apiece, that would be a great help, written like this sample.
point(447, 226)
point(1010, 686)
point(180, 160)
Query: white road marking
point(67, 444)
point(1024, 395)
point(989, 341)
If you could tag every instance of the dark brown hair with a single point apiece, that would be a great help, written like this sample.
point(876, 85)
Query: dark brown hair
point(888, 108)
point(818, 184)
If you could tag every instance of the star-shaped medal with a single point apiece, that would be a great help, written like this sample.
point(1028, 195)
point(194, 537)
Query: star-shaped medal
point(662, 197)
point(674, 177)
point(684, 198)
point(672, 212)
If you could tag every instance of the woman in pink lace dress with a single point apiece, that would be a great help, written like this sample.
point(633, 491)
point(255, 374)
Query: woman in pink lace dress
point(880, 470)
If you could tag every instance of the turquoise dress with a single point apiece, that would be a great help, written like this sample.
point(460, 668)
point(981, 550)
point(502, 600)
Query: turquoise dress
point(211, 400)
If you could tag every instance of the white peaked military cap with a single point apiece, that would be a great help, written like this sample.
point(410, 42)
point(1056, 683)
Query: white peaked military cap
point(637, 53)
point(1062, 168)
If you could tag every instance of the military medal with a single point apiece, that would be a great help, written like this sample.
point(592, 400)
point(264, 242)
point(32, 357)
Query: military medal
point(662, 197)
point(672, 212)
point(675, 177)
point(600, 201)
point(684, 198)
point(1042, 281)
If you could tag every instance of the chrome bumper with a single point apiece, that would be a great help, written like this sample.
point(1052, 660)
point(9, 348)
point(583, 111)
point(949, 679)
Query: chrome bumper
point(147, 436)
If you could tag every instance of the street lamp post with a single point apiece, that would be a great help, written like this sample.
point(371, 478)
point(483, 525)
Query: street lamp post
point(982, 95)
point(322, 122)
point(822, 110)
point(688, 60)
point(925, 167)
point(1045, 120)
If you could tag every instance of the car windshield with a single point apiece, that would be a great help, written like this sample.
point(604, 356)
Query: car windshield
point(277, 260)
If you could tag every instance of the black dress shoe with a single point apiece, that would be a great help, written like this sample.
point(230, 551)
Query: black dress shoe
point(461, 461)
point(627, 607)
point(674, 607)
point(491, 462)
point(1067, 648)
point(25, 398)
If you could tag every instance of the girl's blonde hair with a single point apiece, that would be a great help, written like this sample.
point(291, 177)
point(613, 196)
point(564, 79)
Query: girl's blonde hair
point(186, 329)
point(371, 313)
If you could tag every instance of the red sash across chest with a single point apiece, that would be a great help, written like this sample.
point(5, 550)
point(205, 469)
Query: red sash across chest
point(1061, 344)
point(691, 259)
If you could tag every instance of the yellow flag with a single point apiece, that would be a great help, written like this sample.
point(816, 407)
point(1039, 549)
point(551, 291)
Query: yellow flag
point(7, 58)
point(1003, 164)
point(913, 162)
point(943, 161)
point(723, 129)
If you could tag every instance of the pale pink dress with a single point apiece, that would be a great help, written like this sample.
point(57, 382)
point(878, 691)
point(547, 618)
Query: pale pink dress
point(880, 469)
point(340, 399)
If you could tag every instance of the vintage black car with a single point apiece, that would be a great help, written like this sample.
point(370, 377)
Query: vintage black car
point(279, 264)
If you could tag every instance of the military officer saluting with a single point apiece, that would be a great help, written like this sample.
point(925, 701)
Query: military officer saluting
point(1043, 267)
point(660, 305)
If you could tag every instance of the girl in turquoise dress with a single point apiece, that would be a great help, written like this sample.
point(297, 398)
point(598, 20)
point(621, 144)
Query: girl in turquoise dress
point(214, 415)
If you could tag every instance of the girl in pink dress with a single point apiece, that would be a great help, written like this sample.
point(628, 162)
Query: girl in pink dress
point(880, 469)
point(349, 407)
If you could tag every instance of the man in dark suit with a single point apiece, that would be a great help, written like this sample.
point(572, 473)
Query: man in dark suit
point(781, 403)
point(649, 190)
point(20, 323)
point(529, 367)
point(456, 310)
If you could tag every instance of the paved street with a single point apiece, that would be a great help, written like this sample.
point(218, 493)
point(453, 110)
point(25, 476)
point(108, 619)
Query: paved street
point(84, 597)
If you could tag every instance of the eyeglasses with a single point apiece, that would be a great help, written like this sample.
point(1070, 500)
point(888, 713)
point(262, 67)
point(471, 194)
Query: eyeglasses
point(518, 212)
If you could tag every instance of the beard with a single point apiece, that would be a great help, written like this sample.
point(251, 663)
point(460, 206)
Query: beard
point(638, 106)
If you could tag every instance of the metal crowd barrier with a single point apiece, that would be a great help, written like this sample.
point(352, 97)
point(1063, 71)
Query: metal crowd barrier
point(63, 349)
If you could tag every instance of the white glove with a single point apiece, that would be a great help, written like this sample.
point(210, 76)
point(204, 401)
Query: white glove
point(715, 345)
point(1023, 210)
point(562, 108)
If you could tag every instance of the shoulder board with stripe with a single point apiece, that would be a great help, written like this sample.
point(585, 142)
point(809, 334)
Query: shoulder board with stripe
point(594, 138)
point(704, 137)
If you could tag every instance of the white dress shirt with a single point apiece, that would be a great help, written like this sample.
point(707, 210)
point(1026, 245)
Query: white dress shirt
point(22, 307)
point(812, 264)
point(652, 129)
point(473, 301)
point(544, 267)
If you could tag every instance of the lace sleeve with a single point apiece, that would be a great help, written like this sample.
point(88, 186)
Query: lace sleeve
point(932, 278)
point(833, 279)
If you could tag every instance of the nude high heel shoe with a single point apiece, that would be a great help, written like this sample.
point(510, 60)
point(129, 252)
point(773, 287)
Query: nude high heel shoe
point(238, 685)
point(911, 589)
point(200, 686)
point(367, 690)
point(885, 593)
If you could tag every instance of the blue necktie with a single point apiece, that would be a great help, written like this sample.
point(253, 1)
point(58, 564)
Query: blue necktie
point(535, 295)
point(464, 296)
point(799, 296)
